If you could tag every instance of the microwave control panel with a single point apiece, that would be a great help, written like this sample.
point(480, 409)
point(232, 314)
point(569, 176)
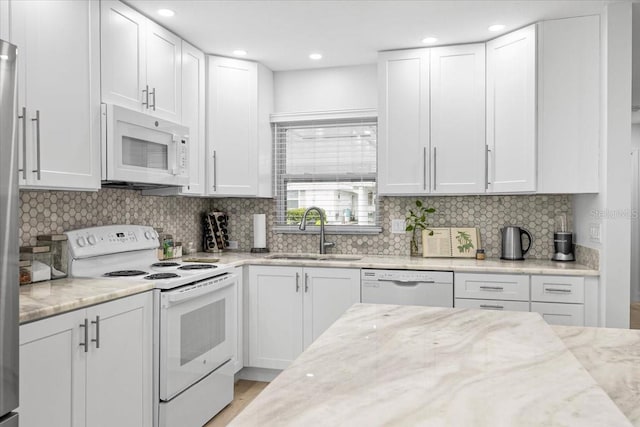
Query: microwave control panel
point(182, 151)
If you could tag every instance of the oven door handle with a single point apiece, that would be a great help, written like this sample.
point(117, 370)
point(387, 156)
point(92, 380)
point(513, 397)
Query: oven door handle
point(174, 297)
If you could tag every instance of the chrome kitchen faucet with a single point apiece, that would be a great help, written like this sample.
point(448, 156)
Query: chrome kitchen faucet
point(303, 226)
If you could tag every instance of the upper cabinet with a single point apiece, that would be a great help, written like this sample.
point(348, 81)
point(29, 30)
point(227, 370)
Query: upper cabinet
point(141, 63)
point(59, 93)
point(403, 122)
point(239, 101)
point(511, 112)
point(458, 119)
point(569, 105)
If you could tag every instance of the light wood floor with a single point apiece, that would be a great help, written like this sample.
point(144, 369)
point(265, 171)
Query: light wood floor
point(244, 392)
point(635, 315)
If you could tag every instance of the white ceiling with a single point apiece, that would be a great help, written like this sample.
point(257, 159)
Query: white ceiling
point(281, 34)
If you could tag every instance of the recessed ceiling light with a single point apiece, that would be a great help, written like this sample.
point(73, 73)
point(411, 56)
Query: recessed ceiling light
point(315, 56)
point(429, 40)
point(496, 27)
point(166, 12)
point(240, 52)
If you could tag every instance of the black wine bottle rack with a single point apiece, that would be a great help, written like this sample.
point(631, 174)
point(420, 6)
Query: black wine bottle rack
point(216, 234)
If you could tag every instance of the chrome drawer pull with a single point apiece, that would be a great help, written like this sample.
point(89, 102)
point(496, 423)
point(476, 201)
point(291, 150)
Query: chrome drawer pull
point(85, 344)
point(492, 307)
point(565, 291)
point(492, 288)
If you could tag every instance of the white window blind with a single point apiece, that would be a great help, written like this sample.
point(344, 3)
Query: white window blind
point(331, 165)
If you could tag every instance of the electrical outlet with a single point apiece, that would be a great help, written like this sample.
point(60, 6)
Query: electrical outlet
point(233, 244)
point(594, 232)
point(397, 226)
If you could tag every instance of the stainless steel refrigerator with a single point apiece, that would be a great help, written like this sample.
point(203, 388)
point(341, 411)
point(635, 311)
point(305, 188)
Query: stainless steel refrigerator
point(8, 239)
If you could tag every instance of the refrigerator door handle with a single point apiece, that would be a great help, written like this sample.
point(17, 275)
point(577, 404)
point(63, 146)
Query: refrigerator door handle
point(24, 143)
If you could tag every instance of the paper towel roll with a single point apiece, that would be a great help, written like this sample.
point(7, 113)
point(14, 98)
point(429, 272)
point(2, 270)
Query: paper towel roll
point(259, 231)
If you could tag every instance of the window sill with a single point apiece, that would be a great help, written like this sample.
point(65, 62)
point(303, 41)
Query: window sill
point(329, 229)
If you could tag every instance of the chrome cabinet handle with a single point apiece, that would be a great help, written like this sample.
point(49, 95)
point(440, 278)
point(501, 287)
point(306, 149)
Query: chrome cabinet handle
point(37, 120)
point(564, 291)
point(492, 307)
point(297, 282)
point(492, 288)
point(97, 338)
point(435, 170)
point(85, 344)
point(424, 168)
point(215, 170)
point(24, 143)
point(153, 92)
point(486, 167)
point(145, 95)
point(306, 282)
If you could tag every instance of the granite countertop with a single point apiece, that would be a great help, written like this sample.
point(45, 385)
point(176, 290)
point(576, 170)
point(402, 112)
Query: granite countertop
point(408, 365)
point(44, 299)
point(490, 265)
point(612, 358)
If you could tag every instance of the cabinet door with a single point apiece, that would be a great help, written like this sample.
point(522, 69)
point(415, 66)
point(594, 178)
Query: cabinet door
point(123, 54)
point(193, 98)
point(164, 59)
point(511, 111)
point(458, 119)
point(275, 316)
point(52, 372)
point(569, 105)
point(119, 368)
point(328, 293)
point(403, 122)
point(60, 97)
point(233, 127)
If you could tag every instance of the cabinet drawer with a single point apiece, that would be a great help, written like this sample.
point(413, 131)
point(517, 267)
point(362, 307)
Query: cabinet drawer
point(560, 314)
point(487, 304)
point(557, 289)
point(492, 286)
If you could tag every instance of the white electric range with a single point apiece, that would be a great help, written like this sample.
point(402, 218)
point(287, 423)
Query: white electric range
point(195, 317)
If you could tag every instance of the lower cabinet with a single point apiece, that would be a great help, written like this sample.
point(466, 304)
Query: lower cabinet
point(89, 367)
point(289, 307)
point(561, 300)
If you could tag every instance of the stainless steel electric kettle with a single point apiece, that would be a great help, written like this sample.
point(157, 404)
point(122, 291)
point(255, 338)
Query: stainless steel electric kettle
point(512, 243)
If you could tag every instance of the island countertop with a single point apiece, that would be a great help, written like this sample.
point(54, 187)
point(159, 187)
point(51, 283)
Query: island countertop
point(408, 365)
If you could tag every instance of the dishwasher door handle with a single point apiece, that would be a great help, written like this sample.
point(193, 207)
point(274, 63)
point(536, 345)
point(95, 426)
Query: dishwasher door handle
point(402, 282)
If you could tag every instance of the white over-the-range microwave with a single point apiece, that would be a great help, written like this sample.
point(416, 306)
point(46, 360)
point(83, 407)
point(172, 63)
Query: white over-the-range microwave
point(141, 150)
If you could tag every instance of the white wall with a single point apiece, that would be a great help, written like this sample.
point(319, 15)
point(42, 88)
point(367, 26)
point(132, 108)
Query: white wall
point(611, 208)
point(326, 89)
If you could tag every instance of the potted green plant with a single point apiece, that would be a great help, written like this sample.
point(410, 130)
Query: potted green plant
point(416, 219)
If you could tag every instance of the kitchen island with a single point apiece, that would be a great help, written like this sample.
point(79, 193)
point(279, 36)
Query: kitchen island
point(407, 365)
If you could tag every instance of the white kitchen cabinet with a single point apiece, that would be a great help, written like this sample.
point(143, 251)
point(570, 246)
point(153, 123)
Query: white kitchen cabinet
point(4, 19)
point(94, 375)
point(58, 100)
point(511, 112)
point(458, 119)
point(328, 293)
point(239, 96)
point(569, 105)
point(289, 307)
point(141, 63)
point(561, 300)
point(193, 116)
point(403, 122)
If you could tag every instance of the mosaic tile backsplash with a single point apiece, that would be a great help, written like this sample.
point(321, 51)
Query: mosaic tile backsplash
point(43, 212)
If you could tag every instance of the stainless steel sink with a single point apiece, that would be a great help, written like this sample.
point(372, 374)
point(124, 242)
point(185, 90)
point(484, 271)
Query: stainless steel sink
point(311, 257)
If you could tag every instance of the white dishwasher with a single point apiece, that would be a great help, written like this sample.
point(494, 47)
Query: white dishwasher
point(407, 287)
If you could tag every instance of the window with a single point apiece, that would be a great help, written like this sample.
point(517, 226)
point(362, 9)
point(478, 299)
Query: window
point(330, 165)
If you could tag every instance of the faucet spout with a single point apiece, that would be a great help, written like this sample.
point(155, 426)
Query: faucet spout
point(303, 226)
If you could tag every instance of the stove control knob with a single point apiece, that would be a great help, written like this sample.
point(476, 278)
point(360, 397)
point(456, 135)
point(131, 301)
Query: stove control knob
point(81, 241)
point(92, 240)
point(148, 235)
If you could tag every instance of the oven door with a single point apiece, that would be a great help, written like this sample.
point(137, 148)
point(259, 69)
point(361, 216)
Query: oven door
point(197, 332)
point(143, 149)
